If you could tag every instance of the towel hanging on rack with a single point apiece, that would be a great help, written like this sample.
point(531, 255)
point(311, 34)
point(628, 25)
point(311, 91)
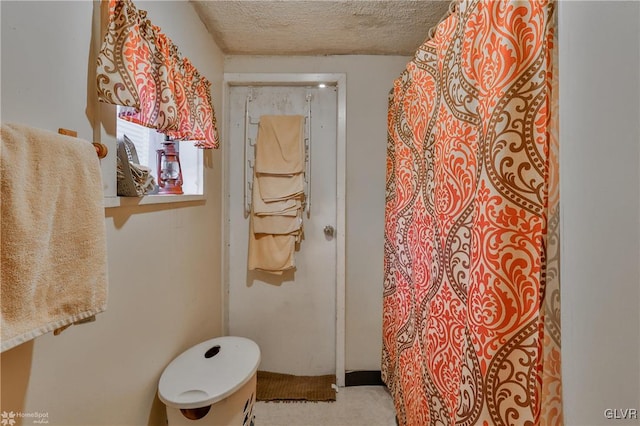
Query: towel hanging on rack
point(277, 224)
point(53, 265)
point(279, 188)
point(270, 252)
point(278, 192)
point(279, 145)
point(287, 207)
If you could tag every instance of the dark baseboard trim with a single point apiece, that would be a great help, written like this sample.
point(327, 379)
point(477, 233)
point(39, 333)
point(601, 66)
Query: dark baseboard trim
point(363, 378)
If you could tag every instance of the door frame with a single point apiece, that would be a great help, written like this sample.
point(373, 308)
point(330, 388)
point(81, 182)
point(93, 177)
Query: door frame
point(338, 80)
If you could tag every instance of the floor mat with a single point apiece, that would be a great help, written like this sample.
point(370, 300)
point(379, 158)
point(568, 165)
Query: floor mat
point(287, 387)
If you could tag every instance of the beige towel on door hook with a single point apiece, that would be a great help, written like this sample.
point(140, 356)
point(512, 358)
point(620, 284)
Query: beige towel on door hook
point(287, 207)
point(280, 144)
point(278, 188)
point(270, 253)
point(277, 224)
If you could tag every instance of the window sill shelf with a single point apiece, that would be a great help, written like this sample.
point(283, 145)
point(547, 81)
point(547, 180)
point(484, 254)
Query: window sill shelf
point(111, 202)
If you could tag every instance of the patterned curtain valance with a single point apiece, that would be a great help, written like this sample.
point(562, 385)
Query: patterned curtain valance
point(140, 67)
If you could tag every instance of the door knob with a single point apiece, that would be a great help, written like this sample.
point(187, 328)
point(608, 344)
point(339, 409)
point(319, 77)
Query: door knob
point(329, 231)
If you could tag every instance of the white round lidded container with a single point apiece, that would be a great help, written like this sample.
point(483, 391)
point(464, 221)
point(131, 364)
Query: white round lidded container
point(212, 383)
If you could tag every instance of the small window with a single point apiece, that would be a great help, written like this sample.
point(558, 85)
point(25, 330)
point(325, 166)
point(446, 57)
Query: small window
point(147, 142)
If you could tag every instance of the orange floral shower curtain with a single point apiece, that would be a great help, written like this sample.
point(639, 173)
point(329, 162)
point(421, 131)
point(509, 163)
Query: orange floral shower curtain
point(471, 291)
point(140, 67)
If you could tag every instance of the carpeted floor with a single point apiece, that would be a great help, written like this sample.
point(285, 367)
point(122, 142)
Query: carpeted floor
point(354, 406)
point(287, 387)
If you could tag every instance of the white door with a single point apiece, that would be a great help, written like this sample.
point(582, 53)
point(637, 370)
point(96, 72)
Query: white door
point(291, 317)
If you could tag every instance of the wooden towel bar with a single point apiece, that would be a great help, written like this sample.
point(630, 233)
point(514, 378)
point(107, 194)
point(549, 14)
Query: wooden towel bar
point(101, 149)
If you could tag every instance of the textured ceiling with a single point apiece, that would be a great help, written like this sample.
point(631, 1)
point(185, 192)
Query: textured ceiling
point(292, 27)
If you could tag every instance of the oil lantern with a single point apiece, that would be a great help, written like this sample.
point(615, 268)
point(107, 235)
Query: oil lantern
point(169, 169)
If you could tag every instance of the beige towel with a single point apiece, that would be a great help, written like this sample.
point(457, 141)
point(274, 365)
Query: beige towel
point(280, 144)
point(277, 191)
point(287, 207)
point(278, 188)
point(277, 224)
point(53, 254)
point(270, 253)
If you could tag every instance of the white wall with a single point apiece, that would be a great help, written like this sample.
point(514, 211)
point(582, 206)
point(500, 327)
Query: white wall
point(162, 299)
point(600, 187)
point(369, 79)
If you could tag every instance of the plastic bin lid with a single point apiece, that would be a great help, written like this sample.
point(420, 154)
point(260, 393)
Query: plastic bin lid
point(209, 372)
